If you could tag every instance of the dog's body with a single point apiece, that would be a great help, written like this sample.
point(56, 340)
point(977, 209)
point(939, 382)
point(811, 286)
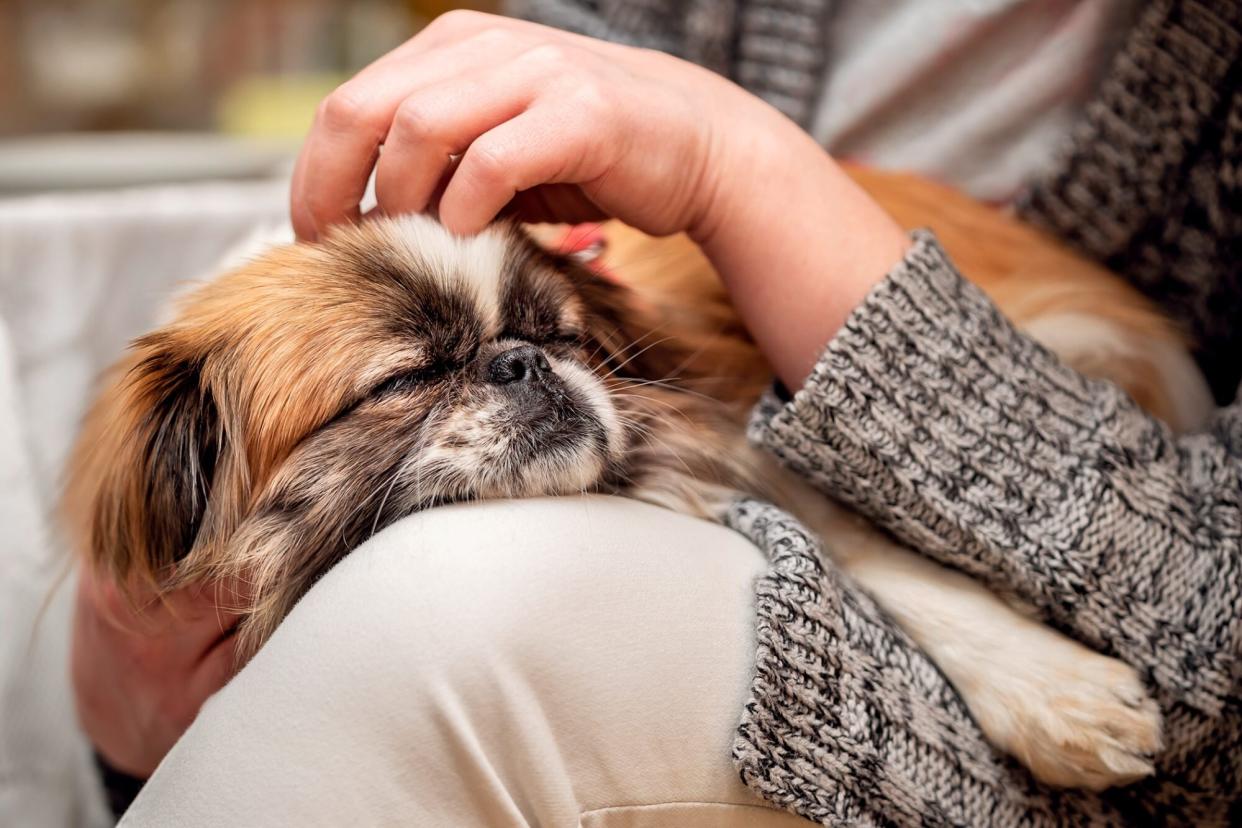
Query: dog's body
point(300, 403)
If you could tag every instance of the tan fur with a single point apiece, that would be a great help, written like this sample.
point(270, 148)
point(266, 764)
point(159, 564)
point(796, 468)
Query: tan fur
point(270, 313)
point(1028, 274)
point(210, 452)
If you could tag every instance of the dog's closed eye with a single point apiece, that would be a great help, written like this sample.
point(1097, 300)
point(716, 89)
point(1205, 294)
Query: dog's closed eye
point(570, 338)
point(408, 380)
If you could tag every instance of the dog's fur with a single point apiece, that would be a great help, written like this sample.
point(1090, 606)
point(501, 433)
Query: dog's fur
point(307, 399)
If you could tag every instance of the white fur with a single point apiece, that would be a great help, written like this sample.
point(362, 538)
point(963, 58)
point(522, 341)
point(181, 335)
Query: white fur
point(488, 445)
point(1078, 338)
point(1192, 398)
point(475, 261)
point(588, 384)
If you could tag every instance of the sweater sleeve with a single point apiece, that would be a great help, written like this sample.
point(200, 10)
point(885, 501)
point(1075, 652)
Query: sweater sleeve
point(849, 723)
point(931, 414)
point(702, 31)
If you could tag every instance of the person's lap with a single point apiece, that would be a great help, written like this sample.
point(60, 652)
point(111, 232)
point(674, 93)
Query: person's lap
point(546, 662)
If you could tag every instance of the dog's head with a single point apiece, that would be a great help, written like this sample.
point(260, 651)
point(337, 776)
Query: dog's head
point(298, 404)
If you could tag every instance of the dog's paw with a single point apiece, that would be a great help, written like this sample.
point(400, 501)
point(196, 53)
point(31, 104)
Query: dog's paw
point(1075, 718)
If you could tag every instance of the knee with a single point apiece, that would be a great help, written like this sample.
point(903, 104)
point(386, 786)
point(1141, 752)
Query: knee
point(463, 597)
point(490, 651)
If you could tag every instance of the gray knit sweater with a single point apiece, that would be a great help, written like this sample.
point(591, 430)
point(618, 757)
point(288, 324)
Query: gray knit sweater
point(932, 415)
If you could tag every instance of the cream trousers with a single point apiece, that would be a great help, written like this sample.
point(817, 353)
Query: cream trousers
point(560, 662)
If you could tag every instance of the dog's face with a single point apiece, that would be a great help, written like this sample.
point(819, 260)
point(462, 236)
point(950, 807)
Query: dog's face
point(456, 369)
point(304, 401)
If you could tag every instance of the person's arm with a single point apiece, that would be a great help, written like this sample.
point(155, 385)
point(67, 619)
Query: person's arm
point(931, 414)
point(929, 411)
point(141, 668)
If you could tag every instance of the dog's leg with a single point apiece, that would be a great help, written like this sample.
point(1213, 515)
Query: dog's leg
point(1159, 374)
point(1074, 717)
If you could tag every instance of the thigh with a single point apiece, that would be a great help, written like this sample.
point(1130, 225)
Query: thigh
point(547, 662)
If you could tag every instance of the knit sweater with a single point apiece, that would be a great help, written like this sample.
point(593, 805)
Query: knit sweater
point(932, 415)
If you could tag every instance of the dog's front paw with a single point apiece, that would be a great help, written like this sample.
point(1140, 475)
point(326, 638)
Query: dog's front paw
point(1075, 718)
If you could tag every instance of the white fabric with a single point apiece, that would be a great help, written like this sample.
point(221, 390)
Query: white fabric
point(981, 93)
point(43, 764)
point(558, 662)
point(79, 275)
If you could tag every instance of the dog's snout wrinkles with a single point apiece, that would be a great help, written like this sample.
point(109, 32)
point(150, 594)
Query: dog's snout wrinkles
point(524, 363)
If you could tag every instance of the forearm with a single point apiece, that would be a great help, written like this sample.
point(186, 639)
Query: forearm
point(796, 242)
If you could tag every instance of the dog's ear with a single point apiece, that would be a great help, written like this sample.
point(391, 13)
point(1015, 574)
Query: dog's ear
point(664, 315)
point(141, 474)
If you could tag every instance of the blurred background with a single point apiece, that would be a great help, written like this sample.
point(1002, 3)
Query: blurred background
point(112, 92)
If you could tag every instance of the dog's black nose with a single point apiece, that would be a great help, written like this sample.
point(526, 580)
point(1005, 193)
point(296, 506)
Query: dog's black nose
point(521, 364)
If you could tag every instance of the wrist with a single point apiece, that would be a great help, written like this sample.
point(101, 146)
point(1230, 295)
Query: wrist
point(795, 241)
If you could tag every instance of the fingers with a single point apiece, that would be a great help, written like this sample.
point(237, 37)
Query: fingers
point(543, 145)
point(343, 144)
point(336, 159)
point(437, 123)
point(495, 113)
point(352, 123)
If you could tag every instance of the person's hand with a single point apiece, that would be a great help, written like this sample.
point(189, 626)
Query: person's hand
point(625, 132)
point(143, 667)
point(478, 114)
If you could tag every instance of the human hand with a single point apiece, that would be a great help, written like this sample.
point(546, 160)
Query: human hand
point(478, 114)
point(574, 128)
point(143, 666)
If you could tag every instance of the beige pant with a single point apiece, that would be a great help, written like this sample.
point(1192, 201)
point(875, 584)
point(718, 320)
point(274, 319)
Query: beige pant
point(550, 662)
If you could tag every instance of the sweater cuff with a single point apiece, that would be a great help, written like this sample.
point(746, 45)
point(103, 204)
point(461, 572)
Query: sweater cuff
point(932, 415)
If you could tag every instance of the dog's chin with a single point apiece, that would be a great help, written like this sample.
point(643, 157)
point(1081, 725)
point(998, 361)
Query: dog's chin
point(559, 448)
point(532, 448)
point(548, 459)
point(572, 467)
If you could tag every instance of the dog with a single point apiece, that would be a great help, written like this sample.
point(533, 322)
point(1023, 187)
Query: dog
point(303, 401)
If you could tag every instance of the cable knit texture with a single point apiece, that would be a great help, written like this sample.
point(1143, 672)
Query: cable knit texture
point(931, 414)
point(849, 723)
